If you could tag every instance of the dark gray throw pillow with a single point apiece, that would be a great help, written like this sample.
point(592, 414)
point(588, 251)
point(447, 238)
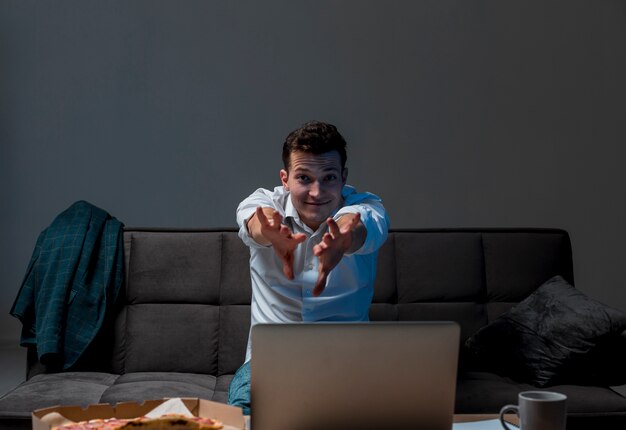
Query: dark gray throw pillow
point(556, 335)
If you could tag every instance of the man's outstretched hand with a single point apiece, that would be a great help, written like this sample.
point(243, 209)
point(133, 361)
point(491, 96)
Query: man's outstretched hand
point(340, 238)
point(345, 235)
point(278, 235)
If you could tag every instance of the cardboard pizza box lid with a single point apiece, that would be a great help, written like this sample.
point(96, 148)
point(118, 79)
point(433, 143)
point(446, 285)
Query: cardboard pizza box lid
point(231, 416)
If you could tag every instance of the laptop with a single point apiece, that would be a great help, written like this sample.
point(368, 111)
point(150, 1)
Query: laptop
point(330, 376)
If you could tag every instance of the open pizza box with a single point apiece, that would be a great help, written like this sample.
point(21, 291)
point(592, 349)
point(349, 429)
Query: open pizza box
point(232, 417)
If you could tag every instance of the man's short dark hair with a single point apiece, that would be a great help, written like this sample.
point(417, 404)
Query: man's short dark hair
point(315, 137)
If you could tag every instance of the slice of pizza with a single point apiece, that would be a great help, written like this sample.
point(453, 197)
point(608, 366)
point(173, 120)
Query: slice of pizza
point(165, 422)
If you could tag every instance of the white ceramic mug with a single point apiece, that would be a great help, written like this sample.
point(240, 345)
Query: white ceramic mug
point(538, 410)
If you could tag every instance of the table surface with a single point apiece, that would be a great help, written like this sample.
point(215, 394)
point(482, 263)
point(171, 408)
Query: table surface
point(458, 418)
point(467, 418)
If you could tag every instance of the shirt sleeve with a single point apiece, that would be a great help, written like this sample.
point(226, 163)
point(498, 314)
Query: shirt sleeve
point(261, 197)
point(373, 216)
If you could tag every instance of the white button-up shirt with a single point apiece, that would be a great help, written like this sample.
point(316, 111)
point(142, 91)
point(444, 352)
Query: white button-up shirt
point(349, 286)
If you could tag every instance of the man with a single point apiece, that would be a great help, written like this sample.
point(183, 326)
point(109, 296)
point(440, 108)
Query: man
point(313, 241)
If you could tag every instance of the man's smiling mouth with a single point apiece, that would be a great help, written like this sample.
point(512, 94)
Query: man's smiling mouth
point(317, 203)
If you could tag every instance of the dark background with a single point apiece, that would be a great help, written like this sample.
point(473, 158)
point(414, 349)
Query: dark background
point(457, 113)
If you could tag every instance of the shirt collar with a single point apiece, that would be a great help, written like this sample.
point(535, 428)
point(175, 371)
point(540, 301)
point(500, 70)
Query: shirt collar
point(292, 218)
point(290, 209)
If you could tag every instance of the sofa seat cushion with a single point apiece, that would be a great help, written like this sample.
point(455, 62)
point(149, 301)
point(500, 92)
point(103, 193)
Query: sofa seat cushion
point(484, 392)
point(139, 386)
point(85, 388)
point(44, 390)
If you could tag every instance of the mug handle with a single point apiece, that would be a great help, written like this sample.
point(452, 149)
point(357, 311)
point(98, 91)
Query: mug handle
point(504, 410)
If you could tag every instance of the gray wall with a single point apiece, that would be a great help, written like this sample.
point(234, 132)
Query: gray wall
point(458, 113)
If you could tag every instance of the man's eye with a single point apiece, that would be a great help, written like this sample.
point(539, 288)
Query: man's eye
point(330, 178)
point(303, 178)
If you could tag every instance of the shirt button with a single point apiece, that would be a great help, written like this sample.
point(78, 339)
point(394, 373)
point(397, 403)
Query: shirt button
point(308, 293)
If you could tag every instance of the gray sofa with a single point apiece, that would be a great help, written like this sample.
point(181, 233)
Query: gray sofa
point(182, 325)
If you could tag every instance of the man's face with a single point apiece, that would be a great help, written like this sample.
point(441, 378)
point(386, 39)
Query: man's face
point(315, 182)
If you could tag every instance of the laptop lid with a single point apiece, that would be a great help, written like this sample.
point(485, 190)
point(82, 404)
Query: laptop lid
point(312, 376)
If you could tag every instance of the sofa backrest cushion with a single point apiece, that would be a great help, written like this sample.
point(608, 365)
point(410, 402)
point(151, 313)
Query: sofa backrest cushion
point(466, 275)
point(187, 294)
point(187, 304)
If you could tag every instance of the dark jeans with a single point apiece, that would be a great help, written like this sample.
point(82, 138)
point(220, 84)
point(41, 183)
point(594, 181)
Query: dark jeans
point(239, 390)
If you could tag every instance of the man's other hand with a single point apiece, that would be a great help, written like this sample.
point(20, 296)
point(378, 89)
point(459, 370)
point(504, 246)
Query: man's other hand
point(348, 234)
point(266, 228)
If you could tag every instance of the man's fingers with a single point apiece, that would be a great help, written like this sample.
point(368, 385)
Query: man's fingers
point(286, 232)
point(261, 216)
point(323, 245)
point(319, 248)
point(355, 221)
point(320, 285)
point(300, 237)
point(333, 228)
point(277, 219)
